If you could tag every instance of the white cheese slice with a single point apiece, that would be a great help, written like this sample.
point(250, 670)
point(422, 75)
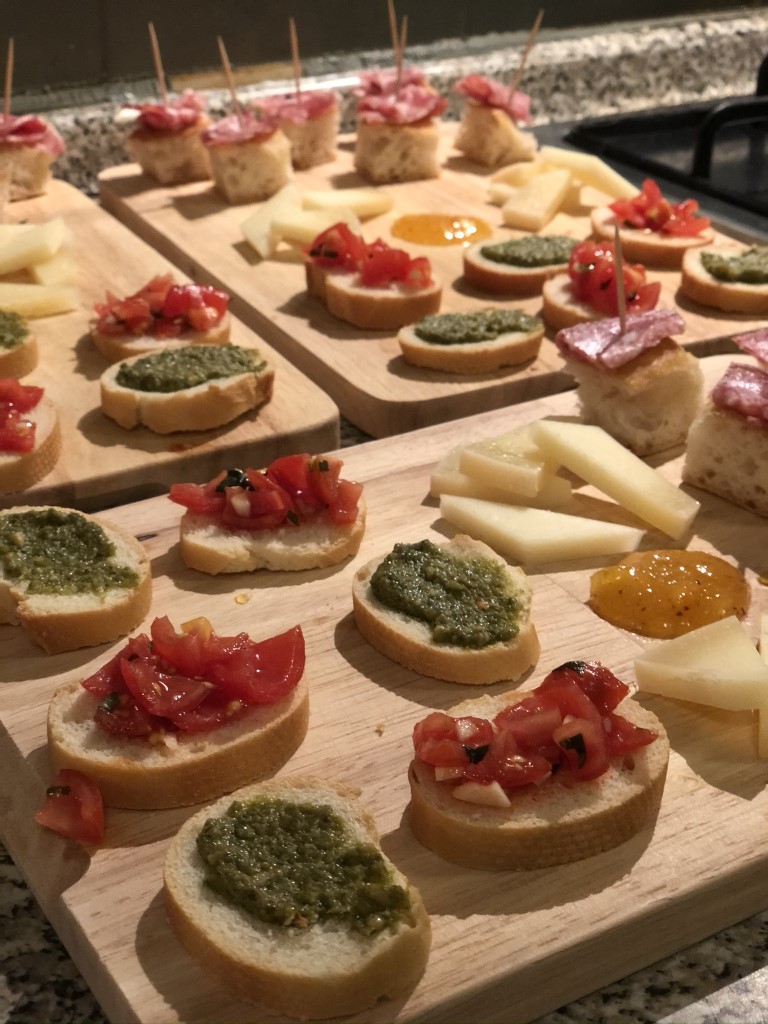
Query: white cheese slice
point(512, 461)
point(33, 300)
point(364, 201)
point(60, 269)
point(590, 170)
point(533, 205)
point(717, 665)
point(519, 173)
point(303, 226)
point(447, 478)
point(596, 457)
point(533, 535)
point(258, 227)
point(25, 248)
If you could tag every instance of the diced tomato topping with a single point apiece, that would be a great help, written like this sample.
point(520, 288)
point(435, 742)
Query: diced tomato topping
point(592, 272)
point(17, 430)
point(650, 210)
point(20, 396)
point(162, 309)
point(73, 807)
point(337, 246)
point(377, 263)
point(567, 727)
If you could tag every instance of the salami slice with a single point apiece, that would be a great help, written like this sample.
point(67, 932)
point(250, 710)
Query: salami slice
point(412, 104)
point(29, 130)
point(602, 343)
point(755, 343)
point(239, 129)
point(743, 389)
point(179, 113)
point(296, 107)
point(382, 81)
point(490, 93)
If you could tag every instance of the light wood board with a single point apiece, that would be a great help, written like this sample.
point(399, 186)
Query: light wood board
point(364, 371)
point(101, 463)
point(505, 946)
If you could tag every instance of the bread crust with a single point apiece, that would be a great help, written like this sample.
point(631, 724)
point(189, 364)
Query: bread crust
point(20, 360)
point(19, 470)
point(501, 279)
point(66, 623)
point(189, 767)
point(490, 137)
point(388, 153)
point(378, 309)
point(316, 974)
point(124, 346)
point(545, 826)
point(313, 141)
point(408, 642)
point(199, 408)
point(472, 357)
point(251, 170)
point(171, 158)
point(642, 245)
point(30, 170)
point(698, 284)
point(559, 309)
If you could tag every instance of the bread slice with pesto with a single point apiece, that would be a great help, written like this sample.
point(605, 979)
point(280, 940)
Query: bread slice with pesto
point(19, 351)
point(516, 266)
point(196, 387)
point(455, 611)
point(70, 580)
point(313, 945)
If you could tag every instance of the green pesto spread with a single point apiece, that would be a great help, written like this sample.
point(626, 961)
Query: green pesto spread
point(464, 601)
point(13, 329)
point(177, 369)
point(530, 251)
point(55, 551)
point(482, 325)
point(294, 865)
point(748, 267)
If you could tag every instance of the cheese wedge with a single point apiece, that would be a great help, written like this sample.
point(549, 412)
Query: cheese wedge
point(258, 227)
point(717, 665)
point(519, 173)
point(533, 535)
point(447, 478)
point(533, 205)
point(303, 226)
point(23, 249)
point(595, 456)
point(365, 202)
point(35, 300)
point(512, 461)
point(58, 270)
point(590, 170)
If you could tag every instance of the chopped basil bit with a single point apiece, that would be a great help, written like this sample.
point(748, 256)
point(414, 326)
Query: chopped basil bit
point(234, 478)
point(292, 518)
point(748, 267)
point(322, 465)
point(13, 329)
point(482, 325)
point(111, 702)
point(476, 754)
point(177, 369)
point(58, 791)
point(530, 251)
point(576, 742)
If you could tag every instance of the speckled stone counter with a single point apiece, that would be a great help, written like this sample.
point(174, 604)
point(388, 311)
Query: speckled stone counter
point(722, 979)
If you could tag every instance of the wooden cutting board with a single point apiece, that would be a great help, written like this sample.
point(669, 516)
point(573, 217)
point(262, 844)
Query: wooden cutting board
point(505, 946)
point(362, 370)
point(101, 463)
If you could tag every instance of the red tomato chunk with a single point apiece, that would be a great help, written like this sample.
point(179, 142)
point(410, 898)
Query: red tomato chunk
point(651, 211)
point(17, 430)
point(378, 264)
point(73, 807)
point(592, 270)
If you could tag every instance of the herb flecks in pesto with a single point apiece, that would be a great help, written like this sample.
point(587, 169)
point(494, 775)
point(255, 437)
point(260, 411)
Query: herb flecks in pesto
point(748, 267)
point(482, 325)
point(468, 602)
point(295, 865)
point(57, 551)
point(530, 251)
point(178, 369)
point(13, 329)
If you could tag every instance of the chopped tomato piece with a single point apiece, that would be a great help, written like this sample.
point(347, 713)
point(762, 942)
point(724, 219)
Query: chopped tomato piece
point(592, 272)
point(651, 211)
point(338, 246)
point(162, 693)
point(382, 266)
point(585, 753)
point(162, 309)
point(291, 473)
point(20, 396)
point(73, 807)
point(262, 672)
point(603, 688)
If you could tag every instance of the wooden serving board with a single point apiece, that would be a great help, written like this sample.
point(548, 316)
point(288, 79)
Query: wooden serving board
point(506, 946)
point(101, 463)
point(363, 370)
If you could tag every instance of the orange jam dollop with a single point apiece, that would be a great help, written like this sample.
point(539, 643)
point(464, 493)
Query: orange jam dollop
point(440, 229)
point(664, 594)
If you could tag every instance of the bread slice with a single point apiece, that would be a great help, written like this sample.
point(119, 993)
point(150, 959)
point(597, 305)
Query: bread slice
point(378, 309)
point(19, 470)
point(698, 284)
point(171, 158)
point(115, 347)
point(727, 454)
point(387, 153)
point(250, 170)
point(65, 622)
point(642, 245)
point(202, 407)
point(408, 641)
point(316, 972)
point(312, 141)
point(504, 279)
point(472, 357)
point(647, 404)
point(546, 825)
point(490, 137)
point(18, 355)
point(29, 167)
point(560, 309)
point(183, 767)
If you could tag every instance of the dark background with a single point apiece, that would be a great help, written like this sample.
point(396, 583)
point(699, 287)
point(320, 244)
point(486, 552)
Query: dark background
point(75, 43)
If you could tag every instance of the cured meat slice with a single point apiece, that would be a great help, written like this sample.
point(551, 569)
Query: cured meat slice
point(755, 343)
point(490, 93)
point(296, 107)
point(743, 389)
point(411, 104)
point(602, 342)
point(29, 130)
point(239, 129)
point(382, 81)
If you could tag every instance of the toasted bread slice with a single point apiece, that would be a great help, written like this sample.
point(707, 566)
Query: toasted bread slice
point(471, 357)
point(19, 470)
point(730, 296)
point(378, 309)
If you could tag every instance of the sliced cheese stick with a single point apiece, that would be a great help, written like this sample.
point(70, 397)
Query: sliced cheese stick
point(447, 478)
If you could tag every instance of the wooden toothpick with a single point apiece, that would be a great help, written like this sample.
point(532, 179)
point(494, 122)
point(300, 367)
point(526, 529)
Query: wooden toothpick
point(618, 260)
point(8, 79)
point(526, 51)
point(399, 53)
point(159, 73)
point(295, 55)
point(393, 26)
point(230, 80)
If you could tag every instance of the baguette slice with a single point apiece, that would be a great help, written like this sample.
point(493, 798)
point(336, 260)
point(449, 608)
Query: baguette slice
point(67, 622)
point(171, 158)
point(316, 972)
point(19, 470)
point(732, 297)
point(115, 347)
point(210, 548)
point(645, 246)
point(187, 768)
point(472, 357)
point(504, 279)
point(377, 309)
point(19, 352)
point(202, 407)
point(407, 640)
point(553, 824)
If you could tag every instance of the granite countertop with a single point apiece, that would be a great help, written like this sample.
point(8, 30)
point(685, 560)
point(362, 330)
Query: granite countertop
point(723, 978)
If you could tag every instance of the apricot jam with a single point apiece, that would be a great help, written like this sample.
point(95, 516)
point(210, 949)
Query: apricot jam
point(440, 229)
point(664, 594)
